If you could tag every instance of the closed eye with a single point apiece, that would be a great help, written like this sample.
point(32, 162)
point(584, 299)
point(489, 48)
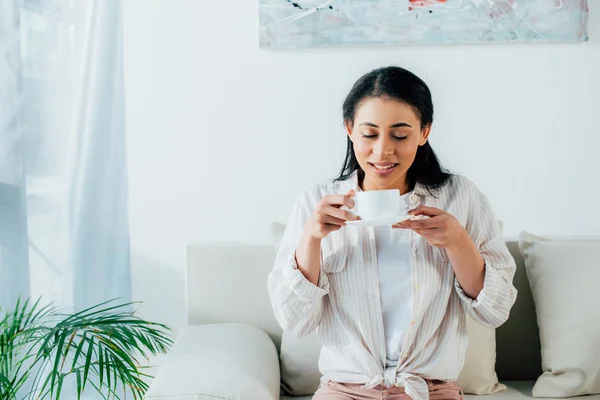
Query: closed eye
point(374, 136)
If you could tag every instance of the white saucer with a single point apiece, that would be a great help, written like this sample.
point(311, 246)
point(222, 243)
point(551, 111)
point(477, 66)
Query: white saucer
point(389, 221)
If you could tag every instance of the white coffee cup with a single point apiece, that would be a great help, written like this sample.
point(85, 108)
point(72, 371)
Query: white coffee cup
point(374, 204)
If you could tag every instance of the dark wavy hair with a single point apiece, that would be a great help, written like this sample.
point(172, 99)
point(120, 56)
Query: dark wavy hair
point(398, 84)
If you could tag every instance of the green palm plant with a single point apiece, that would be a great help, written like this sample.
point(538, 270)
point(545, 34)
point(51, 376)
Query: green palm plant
point(40, 346)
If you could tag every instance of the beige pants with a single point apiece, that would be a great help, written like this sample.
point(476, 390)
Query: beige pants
point(438, 390)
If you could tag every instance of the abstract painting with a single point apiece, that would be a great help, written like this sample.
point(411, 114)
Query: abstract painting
point(304, 23)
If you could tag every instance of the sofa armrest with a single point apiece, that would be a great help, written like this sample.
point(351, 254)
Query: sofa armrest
point(219, 361)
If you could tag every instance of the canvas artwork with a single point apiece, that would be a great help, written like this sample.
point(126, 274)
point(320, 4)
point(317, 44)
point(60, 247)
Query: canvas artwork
point(305, 23)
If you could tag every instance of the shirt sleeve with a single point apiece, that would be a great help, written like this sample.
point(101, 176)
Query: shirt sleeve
point(492, 305)
point(297, 303)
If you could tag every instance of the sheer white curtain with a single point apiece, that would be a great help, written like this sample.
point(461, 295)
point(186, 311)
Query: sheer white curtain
point(63, 183)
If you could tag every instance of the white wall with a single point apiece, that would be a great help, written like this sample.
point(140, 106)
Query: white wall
point(222, 135)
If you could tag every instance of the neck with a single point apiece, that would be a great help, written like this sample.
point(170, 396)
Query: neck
point(401, 184)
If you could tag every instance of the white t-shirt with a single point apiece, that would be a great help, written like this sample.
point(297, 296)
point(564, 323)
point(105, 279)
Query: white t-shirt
point(395, 284)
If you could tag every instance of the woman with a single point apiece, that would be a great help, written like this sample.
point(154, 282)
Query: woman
point(389, 303)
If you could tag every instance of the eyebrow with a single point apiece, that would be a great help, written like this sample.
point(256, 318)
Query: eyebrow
point(398, 125)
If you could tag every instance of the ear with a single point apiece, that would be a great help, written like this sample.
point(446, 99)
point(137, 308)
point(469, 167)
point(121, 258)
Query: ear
point(348, 126)
point(424, 134)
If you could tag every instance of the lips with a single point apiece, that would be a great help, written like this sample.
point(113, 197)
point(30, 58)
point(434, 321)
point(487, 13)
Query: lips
point(383, 165)
point(383, 168)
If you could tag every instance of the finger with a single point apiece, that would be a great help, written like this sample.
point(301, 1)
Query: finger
point(333, 227)
point(328, 228)
point(423, 233)
point(427, 211)
point(429, 223)
point(329, 220)
point(350, 203)
point(338, 200)
point(401, 225)
point(406, 224)
point(339, 213)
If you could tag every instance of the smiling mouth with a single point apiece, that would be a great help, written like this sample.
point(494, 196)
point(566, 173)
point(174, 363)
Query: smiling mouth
point(383, 166)
point(383, 169)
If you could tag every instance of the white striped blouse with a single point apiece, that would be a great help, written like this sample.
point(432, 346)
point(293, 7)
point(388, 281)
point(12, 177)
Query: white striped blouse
point(345, 306)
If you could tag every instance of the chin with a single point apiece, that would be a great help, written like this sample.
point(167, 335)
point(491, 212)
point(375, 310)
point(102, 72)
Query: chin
point(385, 181)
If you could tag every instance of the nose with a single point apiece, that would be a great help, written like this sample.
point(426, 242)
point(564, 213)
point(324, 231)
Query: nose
point(383, 147)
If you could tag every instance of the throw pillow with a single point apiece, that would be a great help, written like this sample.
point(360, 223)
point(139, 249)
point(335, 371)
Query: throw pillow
point(478, 375)
point(299, 357)
point(564, 277)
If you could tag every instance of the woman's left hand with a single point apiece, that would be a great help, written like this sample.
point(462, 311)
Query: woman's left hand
point(440, 229)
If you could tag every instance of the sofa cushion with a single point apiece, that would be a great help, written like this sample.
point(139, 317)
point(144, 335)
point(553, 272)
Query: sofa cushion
point(284, 397)
point(564, 278)
point(519, 337)
point(299, 357)
point(517, 390)
point(478, 375)
point(218, 361)
point(298, 363)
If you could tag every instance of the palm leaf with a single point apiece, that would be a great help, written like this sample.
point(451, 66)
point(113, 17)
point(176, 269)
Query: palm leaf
point(57, 358)
point(88, 361)
point(97, 345)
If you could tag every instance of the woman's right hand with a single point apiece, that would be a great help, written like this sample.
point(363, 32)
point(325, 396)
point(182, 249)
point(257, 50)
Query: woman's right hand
point(329, 217)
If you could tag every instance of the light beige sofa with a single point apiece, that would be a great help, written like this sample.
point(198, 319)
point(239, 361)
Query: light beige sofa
point(229, 350)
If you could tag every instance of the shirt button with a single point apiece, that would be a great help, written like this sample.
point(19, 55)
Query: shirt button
point(414, 249)
point(412, 323)
point(413, 198)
